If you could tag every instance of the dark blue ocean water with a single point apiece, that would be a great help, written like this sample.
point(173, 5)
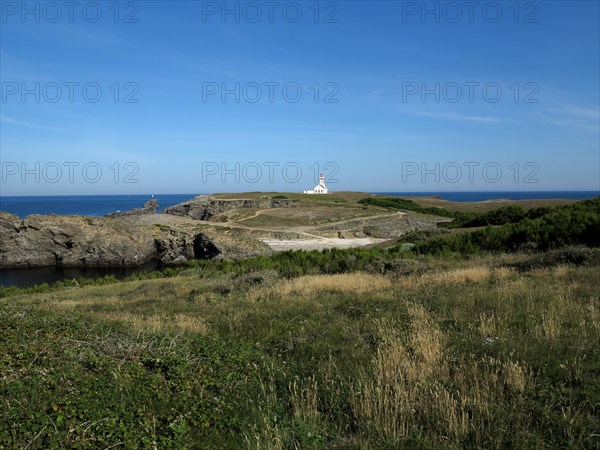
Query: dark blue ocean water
point(84, 205)
point(507, 195)
point(98, 205)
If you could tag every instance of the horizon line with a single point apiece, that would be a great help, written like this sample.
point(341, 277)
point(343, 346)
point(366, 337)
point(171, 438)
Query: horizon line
point(597, 190)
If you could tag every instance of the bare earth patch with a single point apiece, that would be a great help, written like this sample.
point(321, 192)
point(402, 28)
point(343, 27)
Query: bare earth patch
point(281, 245)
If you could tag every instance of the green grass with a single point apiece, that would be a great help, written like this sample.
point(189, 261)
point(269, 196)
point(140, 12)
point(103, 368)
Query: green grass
point(487, 352)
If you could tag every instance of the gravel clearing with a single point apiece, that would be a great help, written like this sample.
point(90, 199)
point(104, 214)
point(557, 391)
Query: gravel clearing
point(280, 245)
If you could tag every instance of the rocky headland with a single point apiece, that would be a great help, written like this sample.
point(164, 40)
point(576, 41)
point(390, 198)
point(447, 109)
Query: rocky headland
point(204, 227)
point(203, 207)
point(124, 241)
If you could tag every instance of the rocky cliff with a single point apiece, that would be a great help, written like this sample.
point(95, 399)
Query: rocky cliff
point(150, 207)
point(75, 241)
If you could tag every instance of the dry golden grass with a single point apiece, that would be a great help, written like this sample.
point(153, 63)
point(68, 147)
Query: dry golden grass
point(457, 276)
point(267, 434)
point(516, 375)
point(593, 314)
point(488, 325)
point(76, 303)
point(561, 270)
point(313, 284)
point(304, 399)
point(547, 328)
point(426, 341)
point(402, 384)
point(156, 323)
point(410, 381)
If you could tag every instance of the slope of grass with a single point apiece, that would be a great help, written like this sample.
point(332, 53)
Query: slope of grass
point(438, 352)
point(539, 229)
point(403, 204)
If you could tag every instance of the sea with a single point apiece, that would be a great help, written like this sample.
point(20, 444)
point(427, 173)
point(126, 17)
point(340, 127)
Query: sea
point(84, 205)
point(99, 205)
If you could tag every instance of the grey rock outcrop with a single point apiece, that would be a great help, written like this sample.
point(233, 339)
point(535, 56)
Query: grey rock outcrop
point(71, 241)
point(150, 207)
point(391, 227)
point(204, 207)
point(76, 241)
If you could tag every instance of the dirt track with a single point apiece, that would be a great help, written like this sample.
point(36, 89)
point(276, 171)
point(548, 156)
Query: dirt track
point(281, 245)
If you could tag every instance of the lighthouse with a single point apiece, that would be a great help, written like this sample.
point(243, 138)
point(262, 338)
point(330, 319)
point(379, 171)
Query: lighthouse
point(320, 188)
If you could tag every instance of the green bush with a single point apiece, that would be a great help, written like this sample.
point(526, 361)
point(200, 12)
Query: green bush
point(403, 204)
point(577, 224)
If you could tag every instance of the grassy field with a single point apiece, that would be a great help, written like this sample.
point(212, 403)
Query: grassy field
point(350, 199)
point(448, 352)
point(487, 205)
point(307, 216)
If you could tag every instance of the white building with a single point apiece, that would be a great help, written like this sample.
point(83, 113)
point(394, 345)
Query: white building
point(319, 188)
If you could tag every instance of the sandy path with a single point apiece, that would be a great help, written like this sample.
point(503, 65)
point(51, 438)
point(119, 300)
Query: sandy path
point(281, 245)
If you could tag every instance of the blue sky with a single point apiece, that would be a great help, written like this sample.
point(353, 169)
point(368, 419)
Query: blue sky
point(463, 96)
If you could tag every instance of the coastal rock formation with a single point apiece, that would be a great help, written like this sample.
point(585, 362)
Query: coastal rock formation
point(76, 241)
point(203, 207)
point(390, 227)
point(150, 207)
point(69, 241)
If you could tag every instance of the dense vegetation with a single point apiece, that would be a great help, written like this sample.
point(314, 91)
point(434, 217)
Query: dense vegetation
point(498, 216)
point(541, 230)
point(403, 204)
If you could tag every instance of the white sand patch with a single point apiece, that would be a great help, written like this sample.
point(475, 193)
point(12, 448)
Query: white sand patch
point(280, 245)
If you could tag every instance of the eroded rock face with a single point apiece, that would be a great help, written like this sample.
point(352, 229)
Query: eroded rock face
point(204, 248)
point(204, 207)
point(71, 241)
point(75, 241)
point(150, 207)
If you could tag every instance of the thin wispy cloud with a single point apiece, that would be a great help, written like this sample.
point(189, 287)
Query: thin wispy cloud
point(464, 117)
point(9, 120)
point(576, 123)
point(104, 39)
point(579, 117)
point(376, 94)
point(586, 113)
